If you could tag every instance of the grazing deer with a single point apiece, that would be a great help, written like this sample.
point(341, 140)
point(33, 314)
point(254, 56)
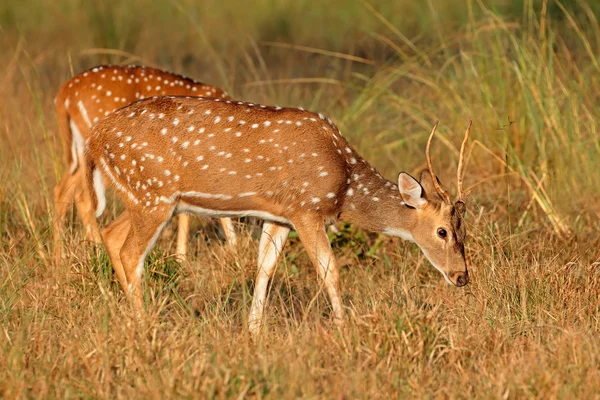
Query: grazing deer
point(81, 102)
point(290, 167)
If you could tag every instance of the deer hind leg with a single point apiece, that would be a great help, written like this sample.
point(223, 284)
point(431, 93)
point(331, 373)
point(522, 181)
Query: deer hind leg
point(312, 233)
point(272, 240)
point(64, 192)
point(145, 230)
point(71, 188)
point(229, 231)
point(113, 236)
point(83, 202)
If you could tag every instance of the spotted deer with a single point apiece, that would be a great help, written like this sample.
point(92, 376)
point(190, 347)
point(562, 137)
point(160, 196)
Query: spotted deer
point(171, 155)
point(81, 102)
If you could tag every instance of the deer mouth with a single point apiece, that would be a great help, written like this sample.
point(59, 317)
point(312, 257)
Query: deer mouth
point(459, 279)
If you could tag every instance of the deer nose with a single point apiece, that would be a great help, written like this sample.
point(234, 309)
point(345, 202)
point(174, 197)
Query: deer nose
point(462, 279)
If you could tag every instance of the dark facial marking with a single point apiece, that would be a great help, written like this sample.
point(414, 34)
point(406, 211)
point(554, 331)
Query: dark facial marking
point(460, 231)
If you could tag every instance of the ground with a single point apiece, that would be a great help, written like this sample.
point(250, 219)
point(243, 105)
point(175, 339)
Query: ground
point(527, 325)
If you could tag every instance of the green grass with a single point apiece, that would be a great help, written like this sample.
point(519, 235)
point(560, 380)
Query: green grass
point(526, 73)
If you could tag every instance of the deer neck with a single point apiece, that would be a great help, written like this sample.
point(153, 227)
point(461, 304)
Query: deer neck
point(373, 203)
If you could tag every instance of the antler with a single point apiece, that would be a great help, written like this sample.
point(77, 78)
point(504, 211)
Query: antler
point(461, 163)
point(436, 185)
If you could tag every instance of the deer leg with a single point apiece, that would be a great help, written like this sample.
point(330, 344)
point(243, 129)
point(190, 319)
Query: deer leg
point(113, 236)
point(229, 231)
point(145, 230)
point(63, 198)
point(312, 233)
point(183, 236)
point(84, 206)
point(183, 225)
point(272, 240)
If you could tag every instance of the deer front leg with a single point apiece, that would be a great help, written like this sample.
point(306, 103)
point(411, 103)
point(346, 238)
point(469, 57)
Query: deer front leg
point(312, 233)
point(272, 240)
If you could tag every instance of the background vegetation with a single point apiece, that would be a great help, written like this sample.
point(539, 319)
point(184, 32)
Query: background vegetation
point(526, 72)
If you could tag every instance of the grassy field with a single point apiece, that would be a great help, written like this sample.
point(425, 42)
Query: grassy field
point(528, 326)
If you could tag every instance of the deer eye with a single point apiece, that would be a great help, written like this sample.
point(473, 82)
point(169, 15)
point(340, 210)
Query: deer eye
point(442, 233)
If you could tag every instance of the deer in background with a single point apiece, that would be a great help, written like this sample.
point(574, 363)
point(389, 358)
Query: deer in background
point(290, 167)
point(80, 103)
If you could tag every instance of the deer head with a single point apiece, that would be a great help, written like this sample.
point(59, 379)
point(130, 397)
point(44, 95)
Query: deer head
point(439, 229)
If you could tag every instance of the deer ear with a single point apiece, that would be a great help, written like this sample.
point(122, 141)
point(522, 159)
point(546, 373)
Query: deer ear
point(460, 207)
point(411, 191)
point(427, 184)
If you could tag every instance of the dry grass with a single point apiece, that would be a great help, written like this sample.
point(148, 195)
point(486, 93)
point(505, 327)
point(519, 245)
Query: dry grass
point(527, 326)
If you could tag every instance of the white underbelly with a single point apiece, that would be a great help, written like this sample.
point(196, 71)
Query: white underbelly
point(183, 207)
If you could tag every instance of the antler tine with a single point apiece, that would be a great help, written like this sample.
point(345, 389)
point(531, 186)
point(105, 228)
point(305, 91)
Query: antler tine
point(461, 164)
point(436, 185)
